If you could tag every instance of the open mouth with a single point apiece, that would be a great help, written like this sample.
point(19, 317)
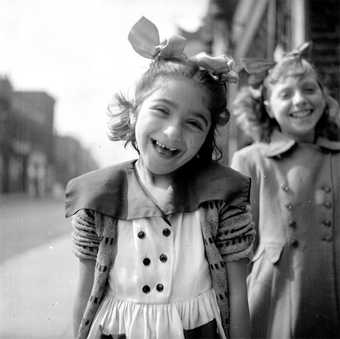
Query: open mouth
point(165, 150)
point(301, 114)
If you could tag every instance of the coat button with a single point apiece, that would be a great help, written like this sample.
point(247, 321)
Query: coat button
point(327, 237)
point(146, 261)
point(326, 188)
point(289, 206)
point(159, 287)
point(292, 224)
point(327, 204)
point(166, 232)
point(327, 223)
point(141, 234)
point(163, 258)
point(146, 289)
point(284, 187)
point(294, 243)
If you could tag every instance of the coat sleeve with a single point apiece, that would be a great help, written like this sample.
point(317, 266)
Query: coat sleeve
point(85, 235)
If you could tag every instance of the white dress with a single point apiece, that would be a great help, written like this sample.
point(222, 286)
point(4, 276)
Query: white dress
point(160, 283)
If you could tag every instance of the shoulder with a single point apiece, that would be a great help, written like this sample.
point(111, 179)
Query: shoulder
point(221, 182)
point(250, 158)
point(103, 174)
point(251, 152)
point(90, 190)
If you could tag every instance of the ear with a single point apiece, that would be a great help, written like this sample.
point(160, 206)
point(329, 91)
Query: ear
point(268, 108)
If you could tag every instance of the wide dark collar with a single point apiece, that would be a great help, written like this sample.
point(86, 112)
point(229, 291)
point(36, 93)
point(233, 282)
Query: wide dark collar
point(281, 143)
point(115, 190)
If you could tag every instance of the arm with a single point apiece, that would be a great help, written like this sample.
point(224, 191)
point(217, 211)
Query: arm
point(85, 282)
point(246, 165)
point(85, 246)
point(239, 310)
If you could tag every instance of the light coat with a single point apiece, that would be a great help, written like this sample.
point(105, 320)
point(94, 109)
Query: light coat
point(294, 283)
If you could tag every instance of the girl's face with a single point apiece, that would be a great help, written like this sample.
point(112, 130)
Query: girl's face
point(172, 124)
point(297, 103)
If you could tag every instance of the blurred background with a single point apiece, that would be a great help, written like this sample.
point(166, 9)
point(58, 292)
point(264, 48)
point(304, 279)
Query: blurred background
point(60, 64)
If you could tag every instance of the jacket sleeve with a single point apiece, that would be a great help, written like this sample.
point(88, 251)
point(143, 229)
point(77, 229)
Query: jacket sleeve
point(235, 233)
point(85, 236)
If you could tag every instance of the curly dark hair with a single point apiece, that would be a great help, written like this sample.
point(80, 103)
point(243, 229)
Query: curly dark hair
point(251, 114)
point(119, 113)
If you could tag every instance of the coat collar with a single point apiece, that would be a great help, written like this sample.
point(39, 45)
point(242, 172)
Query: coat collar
point(281, 143)
point(115, 190)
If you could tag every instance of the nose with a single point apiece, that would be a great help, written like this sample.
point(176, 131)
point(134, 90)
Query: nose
point(299, 99)
point(173, 131)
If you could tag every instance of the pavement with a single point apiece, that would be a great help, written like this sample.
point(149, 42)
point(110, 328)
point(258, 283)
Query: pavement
point(37, 282)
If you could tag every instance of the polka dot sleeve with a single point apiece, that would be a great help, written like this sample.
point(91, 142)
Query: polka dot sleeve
point(236, 233)
point(84, 236)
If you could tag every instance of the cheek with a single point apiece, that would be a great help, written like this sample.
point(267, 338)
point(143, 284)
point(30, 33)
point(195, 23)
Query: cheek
point(319, 102)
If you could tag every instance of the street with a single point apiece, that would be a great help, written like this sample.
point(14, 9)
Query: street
point(37, 269)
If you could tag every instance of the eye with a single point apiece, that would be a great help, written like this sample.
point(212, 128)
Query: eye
point(285, 95)
point(309, 89)
point(196, 124)
point(161, 110)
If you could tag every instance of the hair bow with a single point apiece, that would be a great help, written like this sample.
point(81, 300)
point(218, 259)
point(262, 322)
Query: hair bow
point(300, 51)
point(144, 38)
point(219, 66)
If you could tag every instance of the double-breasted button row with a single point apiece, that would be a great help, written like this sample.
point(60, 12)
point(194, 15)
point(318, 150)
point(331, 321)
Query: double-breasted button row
point(166, 232)
point(146, 288)
point(163, 258)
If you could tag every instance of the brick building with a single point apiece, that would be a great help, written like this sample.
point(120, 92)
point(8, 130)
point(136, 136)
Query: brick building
point(33, 159)
point(26, 142)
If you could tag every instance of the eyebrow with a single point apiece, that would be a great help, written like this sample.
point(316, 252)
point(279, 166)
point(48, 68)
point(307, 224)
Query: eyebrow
point(174, 105)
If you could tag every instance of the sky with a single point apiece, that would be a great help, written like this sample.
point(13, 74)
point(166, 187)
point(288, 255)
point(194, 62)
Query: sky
point(77, 51)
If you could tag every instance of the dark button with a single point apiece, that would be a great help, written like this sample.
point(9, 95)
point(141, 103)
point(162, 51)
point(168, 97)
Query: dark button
point(284, 187)
point(327, 237)
point(146, 261)
point(166, 232)
point(327, 204)
point(292, 224)
point(163, 258)
point(289, 206)
point(159, 287)
point(141, 234)
point(327, 223)
point(146, 289)
point(326, 188)
point(294, 243)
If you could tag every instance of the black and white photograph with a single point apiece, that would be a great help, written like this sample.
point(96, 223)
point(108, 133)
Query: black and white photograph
point(170, 169)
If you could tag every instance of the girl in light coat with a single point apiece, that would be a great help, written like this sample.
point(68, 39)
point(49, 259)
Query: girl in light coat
point(294, 163)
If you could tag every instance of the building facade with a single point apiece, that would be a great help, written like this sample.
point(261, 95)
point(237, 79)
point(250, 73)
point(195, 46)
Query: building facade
point(34, 160)
point(26, 141)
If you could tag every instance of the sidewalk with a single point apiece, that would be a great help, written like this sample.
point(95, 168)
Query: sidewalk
point(36, 292)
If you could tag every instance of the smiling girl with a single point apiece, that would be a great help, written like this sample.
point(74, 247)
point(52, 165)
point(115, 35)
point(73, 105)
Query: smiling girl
point(163, 240)
point(294, 282)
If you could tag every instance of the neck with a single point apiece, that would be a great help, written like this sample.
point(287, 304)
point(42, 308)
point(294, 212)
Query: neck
point(150, 179)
